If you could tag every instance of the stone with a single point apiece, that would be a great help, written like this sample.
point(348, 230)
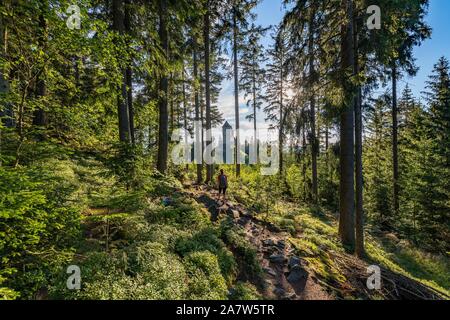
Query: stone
point(268, 242)
point(293, 261)
point(233, 213)
point(277, 258)
point(281, 244)
point(270, 272)
point(279, 291)
point(297, 274)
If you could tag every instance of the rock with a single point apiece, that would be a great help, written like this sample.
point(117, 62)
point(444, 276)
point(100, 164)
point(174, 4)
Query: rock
point(270, 272)
point(281, 244)
point(297, 274)
point(234, 213)
point(277, 258)
point(279, 291)
point(293, 261)
point(268, 242)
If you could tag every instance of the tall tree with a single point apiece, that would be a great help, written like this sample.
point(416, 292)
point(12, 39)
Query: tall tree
point(253, 74)
point(40, 116)
point(312, 99)
point(404, 28)
point(347, 164)
point(198, 118)
point(276, 88)
point(122, 107)
point(129, 70)
point(207, 49)
point(163, 136)
point(240, 15)
point(359, 183)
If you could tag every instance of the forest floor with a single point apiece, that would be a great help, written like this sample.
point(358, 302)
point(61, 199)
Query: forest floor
point(171, 240)
point(291, 272)
point(285, 275)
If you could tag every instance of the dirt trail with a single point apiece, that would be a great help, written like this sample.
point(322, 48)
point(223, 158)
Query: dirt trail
point(286, 276)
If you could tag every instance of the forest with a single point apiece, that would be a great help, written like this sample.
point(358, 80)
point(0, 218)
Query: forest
point(93, 92)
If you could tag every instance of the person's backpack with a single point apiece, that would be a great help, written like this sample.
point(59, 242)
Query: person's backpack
point(223, 181)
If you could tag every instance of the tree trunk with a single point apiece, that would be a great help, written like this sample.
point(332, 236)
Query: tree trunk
point(207, 87)
point(171, 104)
point(395, 201)
point(122, 108)
point(197, 117)
point(236, 92)
point(40, 116)
point(163, 134)
point(185, 119)
point(359, 221)
point(280, 132)
point(347, 165)
point(313, 108)
point(129, 75)
point(3, 82)
point(305, 184)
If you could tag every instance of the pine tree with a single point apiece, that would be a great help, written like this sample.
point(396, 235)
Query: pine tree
point(252, 76)
point(276, 89)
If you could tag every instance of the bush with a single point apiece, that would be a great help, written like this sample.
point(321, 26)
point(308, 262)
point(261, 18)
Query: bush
point(206, 281)
point(208, 240)
point(38, 223)
point(143, 271)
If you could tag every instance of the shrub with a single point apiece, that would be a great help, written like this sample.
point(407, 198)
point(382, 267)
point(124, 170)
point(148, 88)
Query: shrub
point(208, 240)
point(206, 281)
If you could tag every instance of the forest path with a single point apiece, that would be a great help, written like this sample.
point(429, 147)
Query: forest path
point(285, 276)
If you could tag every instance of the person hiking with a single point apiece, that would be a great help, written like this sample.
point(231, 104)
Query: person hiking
point(223, 184)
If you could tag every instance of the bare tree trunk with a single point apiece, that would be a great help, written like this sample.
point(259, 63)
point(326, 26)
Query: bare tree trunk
point(395, 201)
point(206, 32)
point(40, 117)
point(4, 86)
point(282, 115)
point(312, 76)
point(347, 165)
point(359, 221)
point(129, 75)
point(305, 183)
point(122, 108)
point(236, 91)
point(171, 104)
point(197, 117)
point(163, 140)
point(185, 119)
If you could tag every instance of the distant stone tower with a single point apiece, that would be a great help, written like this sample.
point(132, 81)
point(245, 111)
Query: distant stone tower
point(226, 143)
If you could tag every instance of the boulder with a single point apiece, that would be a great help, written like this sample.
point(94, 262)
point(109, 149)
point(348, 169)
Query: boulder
point(268, 242)
point(281, 244)
point(297, 274)
point(279, 291)
point(270, 272)
point(233, 213)
point(294, 261)
point(277, 258)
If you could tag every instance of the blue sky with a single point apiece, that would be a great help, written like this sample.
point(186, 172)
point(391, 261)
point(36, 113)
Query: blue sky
point(270, 12)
